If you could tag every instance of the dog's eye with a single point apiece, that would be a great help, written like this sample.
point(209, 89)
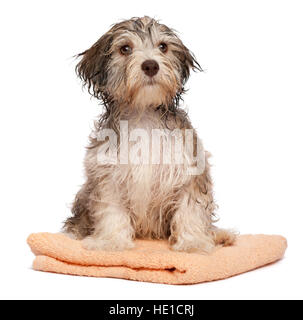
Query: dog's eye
point(163, 47)
point(126, 50)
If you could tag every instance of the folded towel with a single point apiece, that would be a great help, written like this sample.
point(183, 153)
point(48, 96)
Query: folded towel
point(153, 261)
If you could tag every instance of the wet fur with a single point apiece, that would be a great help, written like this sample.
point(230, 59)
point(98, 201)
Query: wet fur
point(119, 203)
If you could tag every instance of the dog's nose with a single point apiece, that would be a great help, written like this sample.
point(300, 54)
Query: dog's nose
point(150, 67)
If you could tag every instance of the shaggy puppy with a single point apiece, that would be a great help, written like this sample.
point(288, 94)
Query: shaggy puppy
point(138, 70)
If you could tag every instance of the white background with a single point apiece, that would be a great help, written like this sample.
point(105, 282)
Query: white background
point(247, 107)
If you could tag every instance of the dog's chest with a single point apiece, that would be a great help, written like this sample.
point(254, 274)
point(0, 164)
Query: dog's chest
point(151, 174)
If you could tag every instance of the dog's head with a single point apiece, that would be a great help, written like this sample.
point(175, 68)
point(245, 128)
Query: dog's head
point(139, 62)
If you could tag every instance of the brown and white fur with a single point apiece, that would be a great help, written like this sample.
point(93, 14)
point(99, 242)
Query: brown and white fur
point(121, 202)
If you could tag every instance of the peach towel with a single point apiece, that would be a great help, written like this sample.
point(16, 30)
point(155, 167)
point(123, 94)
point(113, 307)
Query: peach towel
point(153, 261)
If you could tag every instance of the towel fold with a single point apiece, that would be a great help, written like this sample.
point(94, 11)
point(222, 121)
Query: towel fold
point(153, 261)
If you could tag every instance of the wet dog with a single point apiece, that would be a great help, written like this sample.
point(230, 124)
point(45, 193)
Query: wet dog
point(138, 70)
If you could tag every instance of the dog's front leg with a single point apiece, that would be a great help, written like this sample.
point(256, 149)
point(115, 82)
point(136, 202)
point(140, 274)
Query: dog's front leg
point(113, 229)
point(191, 226)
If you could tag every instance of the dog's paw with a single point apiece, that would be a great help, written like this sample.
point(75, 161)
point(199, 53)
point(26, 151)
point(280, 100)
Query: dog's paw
point(91, 243)
point(193, 246)
point(225, 237)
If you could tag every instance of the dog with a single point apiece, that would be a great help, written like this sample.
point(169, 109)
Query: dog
point(138, 70)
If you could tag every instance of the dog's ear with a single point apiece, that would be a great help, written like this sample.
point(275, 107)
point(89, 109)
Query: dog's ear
point(188, 62)
point(92, 68)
